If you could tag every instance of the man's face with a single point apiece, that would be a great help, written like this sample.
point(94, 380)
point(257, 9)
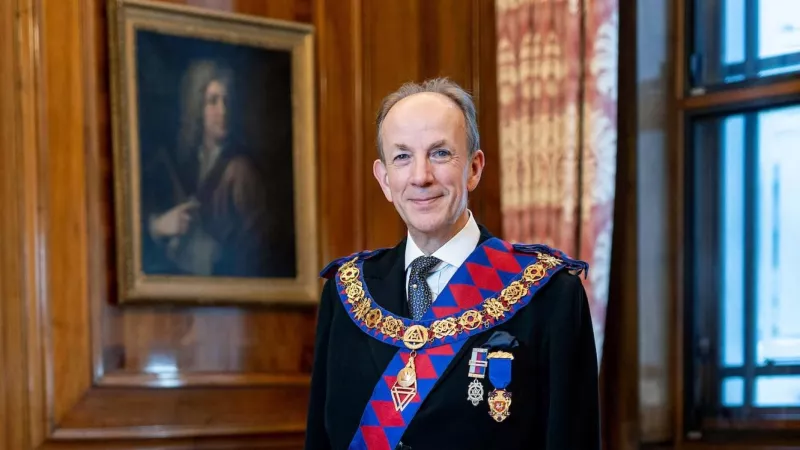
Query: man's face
point(426, 171)
point(215, 111)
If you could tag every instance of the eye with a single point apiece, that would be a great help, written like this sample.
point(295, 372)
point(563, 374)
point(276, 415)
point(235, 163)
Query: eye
point(401, 157)
point(441, 153)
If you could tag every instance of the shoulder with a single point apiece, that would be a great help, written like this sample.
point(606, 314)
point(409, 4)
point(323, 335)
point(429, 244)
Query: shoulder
point(239, 164)
point(563, 294)
point(366, 255)
point(553, 257)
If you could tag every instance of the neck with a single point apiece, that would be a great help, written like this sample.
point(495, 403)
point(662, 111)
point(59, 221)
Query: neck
point(209, 144)
point(430, 242)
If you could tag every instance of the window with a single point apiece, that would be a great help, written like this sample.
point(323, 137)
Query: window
point(743, 266)
point(740, 273)
point(738, 40)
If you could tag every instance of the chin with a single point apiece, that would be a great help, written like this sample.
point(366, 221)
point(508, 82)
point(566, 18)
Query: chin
point(428, 224)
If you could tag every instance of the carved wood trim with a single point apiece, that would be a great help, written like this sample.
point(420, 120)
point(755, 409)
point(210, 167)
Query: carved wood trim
point(21, 283)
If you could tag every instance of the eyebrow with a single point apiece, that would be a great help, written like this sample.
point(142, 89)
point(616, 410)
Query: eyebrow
point(439, 143)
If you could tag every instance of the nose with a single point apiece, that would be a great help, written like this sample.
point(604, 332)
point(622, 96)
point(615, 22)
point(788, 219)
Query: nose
point(421, 173)
point(222, 107)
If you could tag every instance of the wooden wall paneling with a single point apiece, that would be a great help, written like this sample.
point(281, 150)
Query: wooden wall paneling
point(485, 201)
point(9, 221)
point(343, 151)
point(80, 372)
point(11, 370)
point(445, 43)
point(249, 346)
point(20, 227)
point(63, 181)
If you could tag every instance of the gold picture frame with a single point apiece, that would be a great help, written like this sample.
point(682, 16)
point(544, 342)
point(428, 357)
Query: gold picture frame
point(214, 156)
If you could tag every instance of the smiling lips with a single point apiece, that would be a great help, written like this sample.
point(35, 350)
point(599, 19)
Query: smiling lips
point(425, 201)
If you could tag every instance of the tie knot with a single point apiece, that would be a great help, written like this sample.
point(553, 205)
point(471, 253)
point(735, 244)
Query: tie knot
point(424, 264)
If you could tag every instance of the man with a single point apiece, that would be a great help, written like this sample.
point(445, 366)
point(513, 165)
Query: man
point(453, 339)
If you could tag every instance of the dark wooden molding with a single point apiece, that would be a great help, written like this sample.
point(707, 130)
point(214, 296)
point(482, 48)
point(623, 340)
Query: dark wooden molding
point(620, 365)
point(760, 95)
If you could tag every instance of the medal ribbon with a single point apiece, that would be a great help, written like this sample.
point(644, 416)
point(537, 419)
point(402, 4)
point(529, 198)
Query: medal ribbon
point(500, 372)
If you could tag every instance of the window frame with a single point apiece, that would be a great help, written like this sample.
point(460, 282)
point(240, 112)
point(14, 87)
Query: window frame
point(751, 65)
point(688, 104)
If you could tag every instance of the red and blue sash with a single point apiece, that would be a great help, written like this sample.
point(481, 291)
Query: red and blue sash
point(494, 283)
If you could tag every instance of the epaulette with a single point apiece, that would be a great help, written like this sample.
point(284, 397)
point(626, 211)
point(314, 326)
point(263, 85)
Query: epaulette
point(575, 266)
point(334, 265)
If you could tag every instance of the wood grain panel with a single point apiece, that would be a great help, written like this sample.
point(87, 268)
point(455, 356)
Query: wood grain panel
point(65, 204)
point(171, 339)
point(11, 340)
point(8, 225)
point(485, 200)
point(445, 44)
point(342, 147)
point(125, 413)
point(22, 233)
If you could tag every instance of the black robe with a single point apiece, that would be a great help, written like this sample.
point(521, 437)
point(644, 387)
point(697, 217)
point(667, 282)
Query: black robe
point(554, 372)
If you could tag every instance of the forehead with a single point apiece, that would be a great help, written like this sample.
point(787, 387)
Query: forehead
point(424, 115)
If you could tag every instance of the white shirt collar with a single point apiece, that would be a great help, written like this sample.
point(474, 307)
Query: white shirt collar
point(455, 251)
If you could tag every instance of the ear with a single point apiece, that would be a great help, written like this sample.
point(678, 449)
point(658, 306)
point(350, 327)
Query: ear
point(382, 175)
point(476, 169)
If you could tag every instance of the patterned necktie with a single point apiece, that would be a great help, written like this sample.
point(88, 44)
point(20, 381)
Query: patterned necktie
point(419, 293)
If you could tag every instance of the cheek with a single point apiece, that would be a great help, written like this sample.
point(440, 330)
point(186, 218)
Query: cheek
point(396, 179)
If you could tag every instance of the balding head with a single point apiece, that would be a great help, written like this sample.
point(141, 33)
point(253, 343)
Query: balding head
point(449, 91)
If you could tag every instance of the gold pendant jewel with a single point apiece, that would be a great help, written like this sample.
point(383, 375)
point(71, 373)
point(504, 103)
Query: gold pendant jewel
point(405, 387)
point(499, 404)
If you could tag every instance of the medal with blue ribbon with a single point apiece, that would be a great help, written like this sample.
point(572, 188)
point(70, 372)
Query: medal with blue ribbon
point(500, 377)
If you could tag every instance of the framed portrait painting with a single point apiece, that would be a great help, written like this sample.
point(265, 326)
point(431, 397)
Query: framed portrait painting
point(214, 155)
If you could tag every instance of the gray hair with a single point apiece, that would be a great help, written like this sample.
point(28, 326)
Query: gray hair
point(442, 86)
point(194, 83)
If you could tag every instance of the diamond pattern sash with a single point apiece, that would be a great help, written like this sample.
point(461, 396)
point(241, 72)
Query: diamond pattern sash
point(494, 283)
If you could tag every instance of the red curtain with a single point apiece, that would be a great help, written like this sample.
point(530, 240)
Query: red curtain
point(557, 81)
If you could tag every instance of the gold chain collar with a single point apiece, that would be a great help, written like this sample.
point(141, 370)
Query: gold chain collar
point(416, 335)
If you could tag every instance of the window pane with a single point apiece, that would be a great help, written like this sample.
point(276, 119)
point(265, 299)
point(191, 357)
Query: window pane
point(734, 32)
point(733, 391)
point(779, 28)
point(739, 40)
point(732, 236)
point(743, 269)
point(777, 391)
point(779, 236)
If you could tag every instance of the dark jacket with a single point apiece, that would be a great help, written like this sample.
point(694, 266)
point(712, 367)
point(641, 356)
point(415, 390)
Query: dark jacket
point(554, 374)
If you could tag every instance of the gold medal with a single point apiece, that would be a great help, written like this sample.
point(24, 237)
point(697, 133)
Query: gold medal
point(499, 404)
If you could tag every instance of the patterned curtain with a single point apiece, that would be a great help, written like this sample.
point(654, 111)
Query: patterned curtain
point(557, 81)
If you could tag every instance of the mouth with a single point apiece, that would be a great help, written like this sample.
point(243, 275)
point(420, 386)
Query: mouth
point(425, 201)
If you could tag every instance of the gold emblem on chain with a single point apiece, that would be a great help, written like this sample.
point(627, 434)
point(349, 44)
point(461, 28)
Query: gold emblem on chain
point(405, 386)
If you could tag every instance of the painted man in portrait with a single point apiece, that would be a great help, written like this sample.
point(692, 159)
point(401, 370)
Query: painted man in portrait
point(205, 204)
